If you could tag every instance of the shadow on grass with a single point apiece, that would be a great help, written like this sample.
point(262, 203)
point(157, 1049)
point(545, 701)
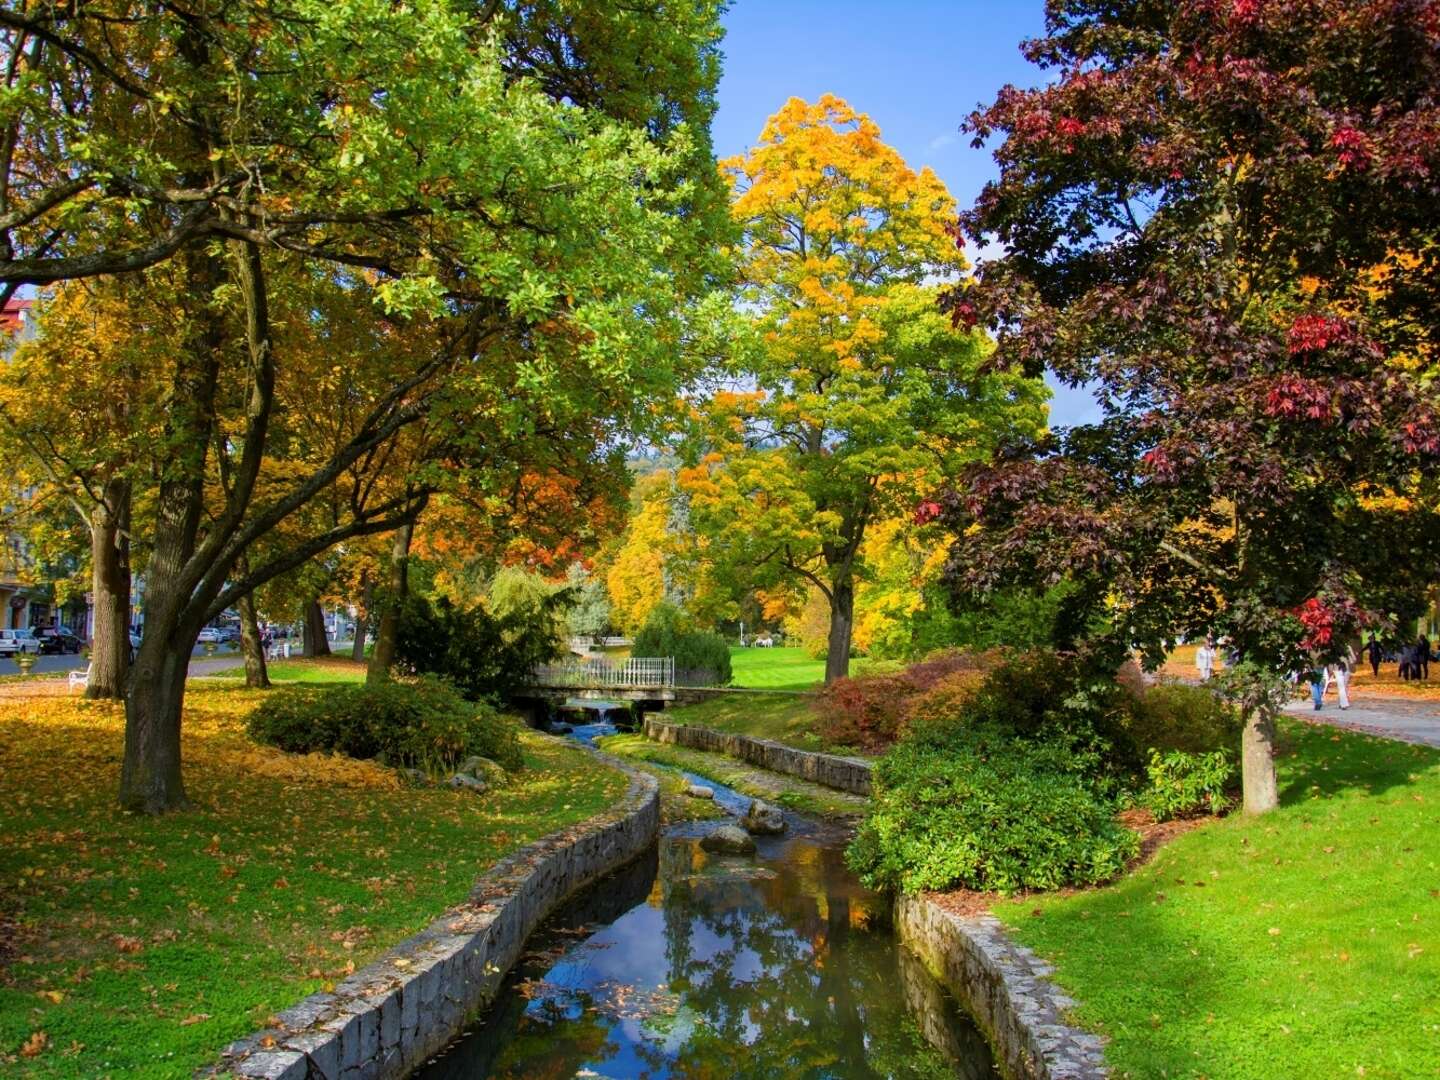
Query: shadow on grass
point(1321, 762)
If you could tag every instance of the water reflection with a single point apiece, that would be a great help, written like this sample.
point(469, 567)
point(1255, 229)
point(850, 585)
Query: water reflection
point(710, 966)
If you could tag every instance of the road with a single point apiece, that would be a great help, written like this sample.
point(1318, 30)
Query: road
point(1405, 719)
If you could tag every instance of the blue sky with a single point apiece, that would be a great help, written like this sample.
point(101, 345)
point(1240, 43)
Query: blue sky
point(918, 67)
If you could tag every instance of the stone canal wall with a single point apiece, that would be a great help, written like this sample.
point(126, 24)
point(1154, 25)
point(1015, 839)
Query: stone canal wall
point(389, 1017)
point(831, 770)
point(1006, 987)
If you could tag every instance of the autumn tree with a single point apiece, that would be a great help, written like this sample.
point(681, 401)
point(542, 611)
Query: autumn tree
point(1221, 215)
point(860, 387)
point(534, 200)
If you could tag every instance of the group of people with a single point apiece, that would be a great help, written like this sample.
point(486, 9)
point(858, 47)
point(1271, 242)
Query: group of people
point(1414, 658)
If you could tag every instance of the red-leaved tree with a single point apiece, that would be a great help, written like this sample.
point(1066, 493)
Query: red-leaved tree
point(1220, 214)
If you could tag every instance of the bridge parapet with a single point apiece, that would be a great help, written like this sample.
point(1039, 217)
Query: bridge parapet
point(636, 673)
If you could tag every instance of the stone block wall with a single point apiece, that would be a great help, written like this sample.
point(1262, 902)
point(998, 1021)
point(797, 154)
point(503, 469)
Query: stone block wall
point(391, 1016)
point(1006, 987)
point(831, 770)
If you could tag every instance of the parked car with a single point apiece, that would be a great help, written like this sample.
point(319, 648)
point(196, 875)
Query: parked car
point(230, 634)
point(209, 634)
point(19, 641)
point(57, 641)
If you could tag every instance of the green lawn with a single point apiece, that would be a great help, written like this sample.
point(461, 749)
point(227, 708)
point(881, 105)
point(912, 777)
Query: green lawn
point(790, 668)
point(785, 718)
point(140, 947)
point(1302, 944)
point(329, 669)
point(788, 791)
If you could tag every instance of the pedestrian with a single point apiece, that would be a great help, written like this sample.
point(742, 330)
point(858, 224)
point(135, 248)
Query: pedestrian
point(1317, 687)
point(1407, 662)
point(1339, 671)
point(1205, 658)
point(1422, 657)
point(1376, 654)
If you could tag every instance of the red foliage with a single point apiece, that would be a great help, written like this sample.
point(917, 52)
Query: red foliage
point(1316, 333)
point(1319, 624)
point(871, 711)
point(1294, 397)
point(926, 512)
point(1353, 147)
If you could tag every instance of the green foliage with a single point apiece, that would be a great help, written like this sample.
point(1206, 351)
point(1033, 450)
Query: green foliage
point(986, 810)
point(589, 616)
point(665, 634)
point(1192, 719)
point(417, 723)
point(1010, 782)
point(1182, 784)
point(483, 654)
point(1017, 618)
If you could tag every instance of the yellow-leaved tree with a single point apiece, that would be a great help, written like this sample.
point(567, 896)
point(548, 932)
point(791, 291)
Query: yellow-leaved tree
point(855, 387)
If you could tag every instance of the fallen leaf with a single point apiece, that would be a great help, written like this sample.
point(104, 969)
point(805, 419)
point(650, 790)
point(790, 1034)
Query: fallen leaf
point(194, 1018)
point(35, 1045)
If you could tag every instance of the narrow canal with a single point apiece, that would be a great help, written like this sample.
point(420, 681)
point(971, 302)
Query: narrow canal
point(688, 963)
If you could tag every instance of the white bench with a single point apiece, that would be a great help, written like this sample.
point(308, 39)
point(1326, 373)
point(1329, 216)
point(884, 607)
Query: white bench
point(80, 678)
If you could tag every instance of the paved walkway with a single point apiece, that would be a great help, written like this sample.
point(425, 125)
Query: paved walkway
point(1392, 718)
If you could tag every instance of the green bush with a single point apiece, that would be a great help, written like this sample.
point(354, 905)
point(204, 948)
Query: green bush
point(483, 654)
point(420, 723)
point(1184, 785)
point(986, 809)
point(1177, 716)
point(665, 634)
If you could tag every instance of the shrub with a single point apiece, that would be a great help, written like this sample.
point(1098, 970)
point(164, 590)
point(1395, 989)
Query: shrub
point(872, 711)
point(1184, 785)
point(484, 655)
point(988, 810)
point(665, 634)
point(415, 723)
point(1175, 716)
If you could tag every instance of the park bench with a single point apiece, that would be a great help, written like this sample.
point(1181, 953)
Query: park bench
point(79, 678)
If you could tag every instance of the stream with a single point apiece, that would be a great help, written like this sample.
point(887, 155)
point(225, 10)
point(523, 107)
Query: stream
point(691, 964)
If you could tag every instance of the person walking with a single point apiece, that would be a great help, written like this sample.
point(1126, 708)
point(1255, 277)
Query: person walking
point(1317, 687)
point(1376, 653)
point(1422, 657)
point(1339, 672)
point(1205, 659)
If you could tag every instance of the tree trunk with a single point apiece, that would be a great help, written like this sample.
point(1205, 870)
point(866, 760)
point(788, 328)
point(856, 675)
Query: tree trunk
point(316, 643)
point(1257, 756)
point(842, 624)
point(383, 655)
point(150, 780)
point(362, 618)
point(257, 676)
point(110, 587)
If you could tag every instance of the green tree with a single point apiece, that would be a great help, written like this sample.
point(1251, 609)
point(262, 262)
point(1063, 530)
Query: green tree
point(527, 210)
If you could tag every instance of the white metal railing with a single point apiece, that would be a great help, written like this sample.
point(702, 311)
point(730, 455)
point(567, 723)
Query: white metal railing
point(639, 672)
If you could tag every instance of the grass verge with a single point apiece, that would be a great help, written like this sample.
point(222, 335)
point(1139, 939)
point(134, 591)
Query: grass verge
point(783, 718)
point(326, 669)
point(800, 795)
point(791, 668)
point(140, 947)
point(1299, 944)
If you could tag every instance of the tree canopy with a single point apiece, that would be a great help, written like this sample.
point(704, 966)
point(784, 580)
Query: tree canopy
point(1204, 216)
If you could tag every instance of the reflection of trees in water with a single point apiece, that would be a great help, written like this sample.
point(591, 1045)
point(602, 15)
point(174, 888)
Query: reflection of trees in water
point(778, 975)
point(819, 997)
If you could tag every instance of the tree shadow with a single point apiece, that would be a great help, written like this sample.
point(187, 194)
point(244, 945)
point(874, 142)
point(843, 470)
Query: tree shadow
point(1324, 762)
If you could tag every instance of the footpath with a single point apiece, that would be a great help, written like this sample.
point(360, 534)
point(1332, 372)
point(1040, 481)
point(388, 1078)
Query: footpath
point(1406, 719)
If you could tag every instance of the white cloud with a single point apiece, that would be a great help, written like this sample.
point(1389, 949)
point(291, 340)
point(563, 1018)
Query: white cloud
point(942, 141)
